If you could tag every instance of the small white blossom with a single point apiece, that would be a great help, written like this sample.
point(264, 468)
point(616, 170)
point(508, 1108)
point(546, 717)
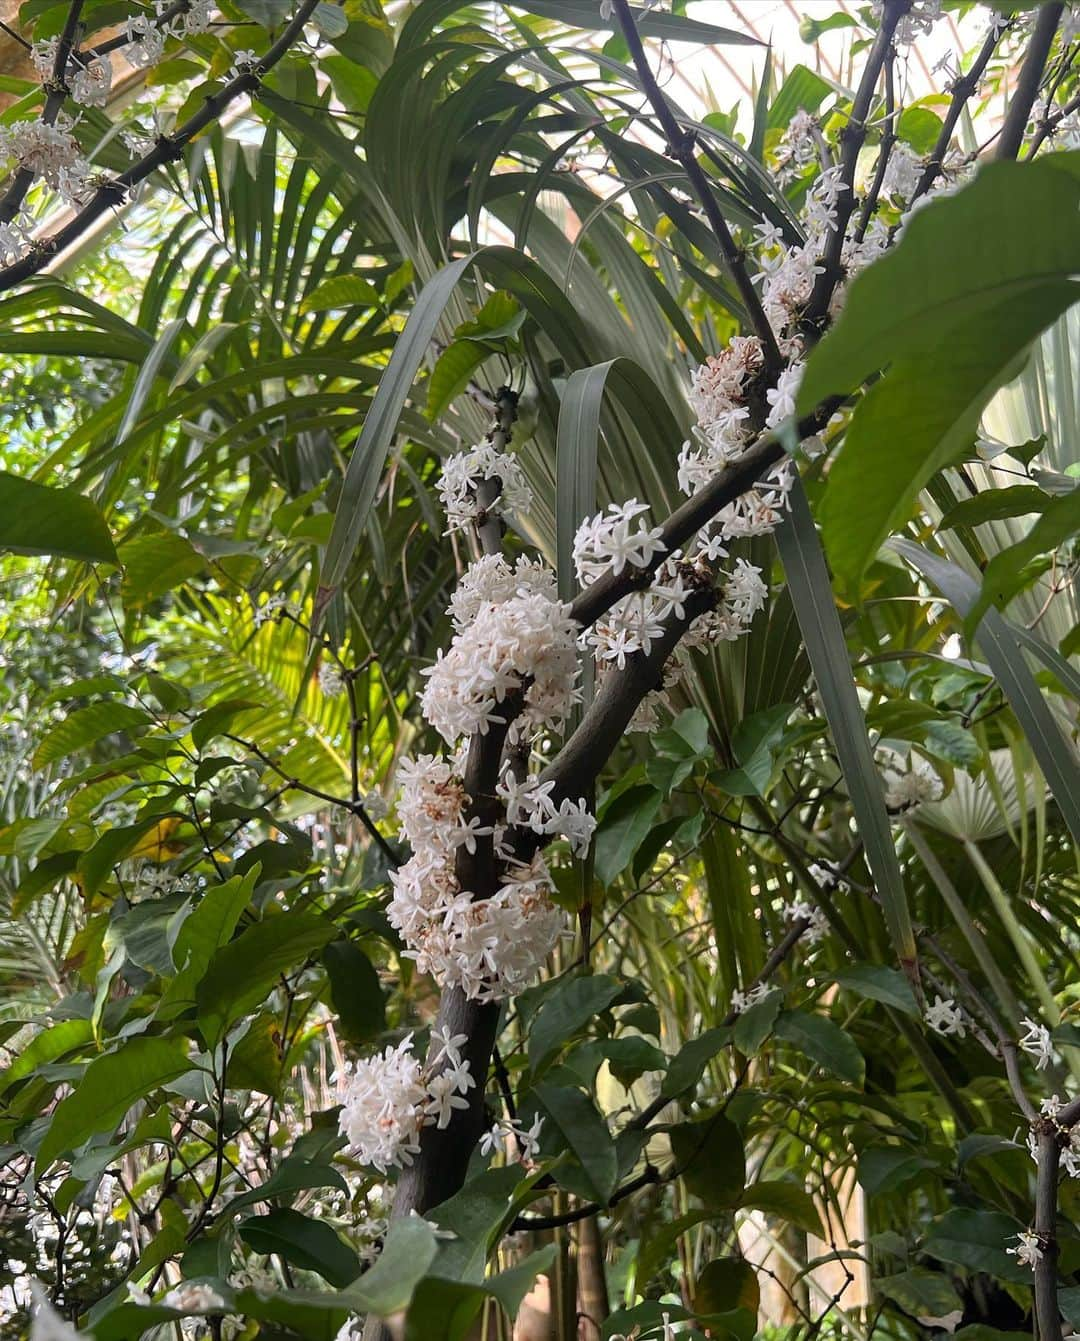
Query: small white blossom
point(1036, 1043)
point(331, 679)
point(194, 1297)
point(1028, 1250)
point(945, 1017)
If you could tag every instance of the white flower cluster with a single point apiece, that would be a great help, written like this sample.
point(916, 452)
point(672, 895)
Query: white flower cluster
point(919, 19)
point(148, 34)
point(797, 146)
point(910, 784)
point(387, 1099)
point(51, 153)
point(802, 910)
point(492, 947)
point(610, 541)
point(509, 1137)
point(945, 1017)
point(464, 473)
point(526, 643)
point(741, 1001)
point(330, 678)
point(89, 77)
point(529, 805)
point(16, 238)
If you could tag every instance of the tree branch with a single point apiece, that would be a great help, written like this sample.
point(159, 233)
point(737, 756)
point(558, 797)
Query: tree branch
point(681, 148)
point(1047, 1316)
point(1027, 86)
point(168, 149)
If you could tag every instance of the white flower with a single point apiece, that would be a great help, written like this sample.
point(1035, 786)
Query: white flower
point(1036, 1042)
point(528, 638)
point(443, 1099)
point(146, 42)
point(910, 786)
point(376, 805)
point(607, 541)
point(1029, 1251)
point(463, 474)
point(243, 63)
point(782, 396)
point(1051, 1107)
point(194, 1297)
point(49, 152)
point(447, 1046)
point(945, 1017)
point(89, 84)
point(382, 1101)
point(818, 925)
point(741, 1001)
point(331, 679)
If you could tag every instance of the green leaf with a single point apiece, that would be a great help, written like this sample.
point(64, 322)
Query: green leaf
point(1020, 500)
point(386, 1289)
point(340, 292)
point(947, 311)
point(1000, 643)
point(650, 22)
point(787, 1200)
point(919, 127)
point(756, 1023)
point(977, 1240)
point(35, 519)
point(583, 1131)
point(921, 1292)
point(48, 1046)
point(108, 1088)
point(204, 931)
point(824, 1042)
point(475, 1217)
point(573, 1004)
point(710, 1159)
point(453, 368)
point(1004, 575)
point(242, 973)
point(86, 726)
point(308, 1244)
point(355, 991)
point(811, 594)
point(802, 89)
point(688, 1065)
point(217, 720)
point(292, 1175)
point(726, 1283)
point(887, 1168)
point(878, 983)
point(330, 20)
point(155, 564)
point(622, 829)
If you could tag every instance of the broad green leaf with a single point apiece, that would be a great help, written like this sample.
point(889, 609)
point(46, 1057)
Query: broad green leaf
point(756, 1023)
point(1020, 500)
point(574, 1121)
point(202, 933)
point(292, 1175)
point(355, 991)
point(801, 89)
point(48, 1046)
point(85, 727)
point(407, 1254)
point(155, 564)
point(946, 312)
point(108, 1088)
point(710, 1159)
point(879, 983)
point(921, 1292)
point(573, 1004)
point(726, 1283)
point(622, 829)
point(824, 1042)
point(788, 1200)
point(35, 519)
point(1004, 574)
point(308, 1244)
point(241, 973)
point(340, 292)
point(217, 720)
point(688, 1065)
point(475, 1216)
point(977, 1240)
point(811, 594)
point(453, 368)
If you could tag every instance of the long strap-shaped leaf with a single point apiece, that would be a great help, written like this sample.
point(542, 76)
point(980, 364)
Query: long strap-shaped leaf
point(507, 268)
point(811, 592)
point(1001, 644)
